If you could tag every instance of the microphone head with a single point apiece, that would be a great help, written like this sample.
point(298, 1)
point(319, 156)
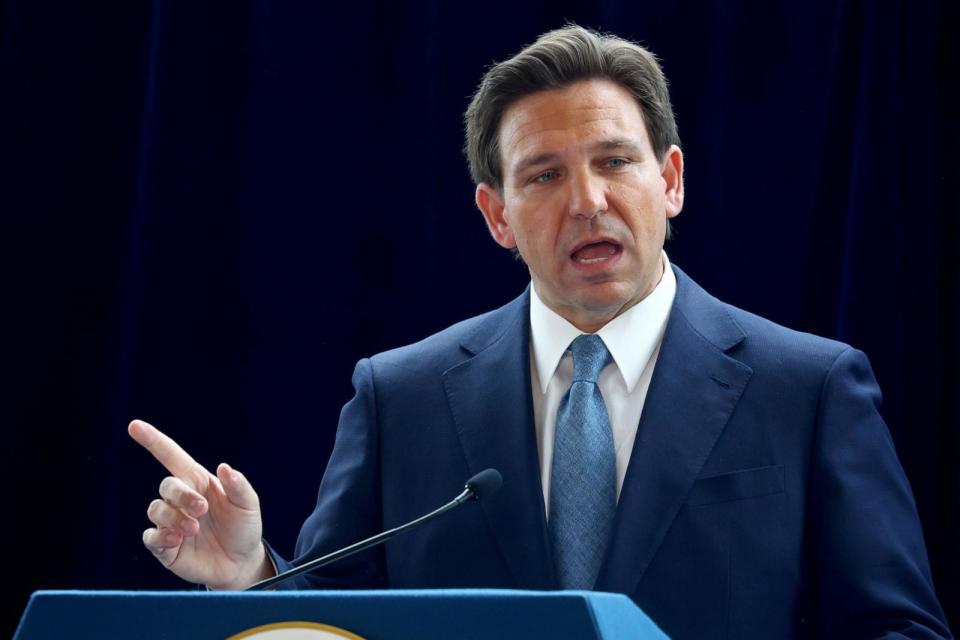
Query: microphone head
point(485, 483)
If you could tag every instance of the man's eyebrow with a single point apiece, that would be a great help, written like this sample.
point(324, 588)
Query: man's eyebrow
point(532, 161)
point(614, 144)
point(617, 144)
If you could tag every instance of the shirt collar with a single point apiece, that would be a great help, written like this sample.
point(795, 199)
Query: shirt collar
point(631, 337)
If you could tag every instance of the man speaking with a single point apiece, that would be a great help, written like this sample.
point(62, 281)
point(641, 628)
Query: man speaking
point(731, 476)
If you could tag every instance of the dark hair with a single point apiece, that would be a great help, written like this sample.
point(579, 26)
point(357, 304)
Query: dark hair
point(555, 61)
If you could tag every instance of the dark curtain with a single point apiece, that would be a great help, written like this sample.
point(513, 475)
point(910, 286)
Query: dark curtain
point(211, 210)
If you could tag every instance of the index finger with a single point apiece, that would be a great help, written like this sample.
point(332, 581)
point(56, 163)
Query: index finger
point(169, 453)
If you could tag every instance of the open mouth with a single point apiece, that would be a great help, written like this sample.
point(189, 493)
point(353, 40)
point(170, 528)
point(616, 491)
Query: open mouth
point(595, 252)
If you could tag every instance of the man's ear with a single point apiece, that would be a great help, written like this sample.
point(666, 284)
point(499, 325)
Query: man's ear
point(490, 203)
point(672, 174)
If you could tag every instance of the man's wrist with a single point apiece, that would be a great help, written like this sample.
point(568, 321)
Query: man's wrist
point(265, 568)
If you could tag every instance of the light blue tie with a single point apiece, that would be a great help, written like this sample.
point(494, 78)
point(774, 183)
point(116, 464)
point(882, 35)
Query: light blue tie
point(583, 481)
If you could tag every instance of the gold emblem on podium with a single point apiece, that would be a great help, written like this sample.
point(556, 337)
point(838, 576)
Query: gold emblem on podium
point(295, 631)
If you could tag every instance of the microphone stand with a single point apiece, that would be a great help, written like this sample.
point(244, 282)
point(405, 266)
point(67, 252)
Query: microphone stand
point(470, 491)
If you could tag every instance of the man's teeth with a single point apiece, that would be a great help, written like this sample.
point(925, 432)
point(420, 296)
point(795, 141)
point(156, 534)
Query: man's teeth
point(594, 253)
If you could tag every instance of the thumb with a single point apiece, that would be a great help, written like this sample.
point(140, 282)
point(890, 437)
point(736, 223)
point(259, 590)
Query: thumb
point(239, 491)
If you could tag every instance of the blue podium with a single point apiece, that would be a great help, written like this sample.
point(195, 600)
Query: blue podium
point(309, 615)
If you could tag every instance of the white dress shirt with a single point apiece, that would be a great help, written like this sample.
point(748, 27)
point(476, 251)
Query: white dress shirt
point(633, 339)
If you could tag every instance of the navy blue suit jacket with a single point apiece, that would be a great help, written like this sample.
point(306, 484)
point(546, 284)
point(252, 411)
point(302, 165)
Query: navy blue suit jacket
point(763, 498)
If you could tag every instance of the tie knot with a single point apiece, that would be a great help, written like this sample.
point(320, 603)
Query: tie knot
point(590, 356)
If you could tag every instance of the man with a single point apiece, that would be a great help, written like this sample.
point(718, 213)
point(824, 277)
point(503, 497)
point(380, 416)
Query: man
point(731, 476)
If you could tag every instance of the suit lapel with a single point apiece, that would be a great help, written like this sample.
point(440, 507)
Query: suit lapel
point(694, 389)
point(490, 399)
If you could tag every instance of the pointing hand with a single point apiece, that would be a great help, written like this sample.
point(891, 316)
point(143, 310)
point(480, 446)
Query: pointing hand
point(207, 527)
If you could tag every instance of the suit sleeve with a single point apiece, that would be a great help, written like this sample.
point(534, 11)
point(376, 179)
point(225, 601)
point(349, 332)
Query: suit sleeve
point(872, 574)
point(348, 504)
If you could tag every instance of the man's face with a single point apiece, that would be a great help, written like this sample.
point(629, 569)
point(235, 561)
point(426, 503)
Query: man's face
point(584, 199)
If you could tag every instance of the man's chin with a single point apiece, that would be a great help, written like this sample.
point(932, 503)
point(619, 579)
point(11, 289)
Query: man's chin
point(608, 294)
point(599, 304)
point(589, 303)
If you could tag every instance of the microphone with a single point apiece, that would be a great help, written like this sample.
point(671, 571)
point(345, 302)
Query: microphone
point(482, 485)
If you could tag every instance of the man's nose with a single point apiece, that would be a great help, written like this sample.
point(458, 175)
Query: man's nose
point(588, 197)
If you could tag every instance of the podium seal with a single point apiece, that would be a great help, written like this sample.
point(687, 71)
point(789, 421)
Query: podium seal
point(295, 631)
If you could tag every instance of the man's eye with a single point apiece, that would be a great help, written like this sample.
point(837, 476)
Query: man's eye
point(617, 163)
point(546, 176)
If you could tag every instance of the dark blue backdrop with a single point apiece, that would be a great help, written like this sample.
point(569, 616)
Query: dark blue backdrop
point(212, 210)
